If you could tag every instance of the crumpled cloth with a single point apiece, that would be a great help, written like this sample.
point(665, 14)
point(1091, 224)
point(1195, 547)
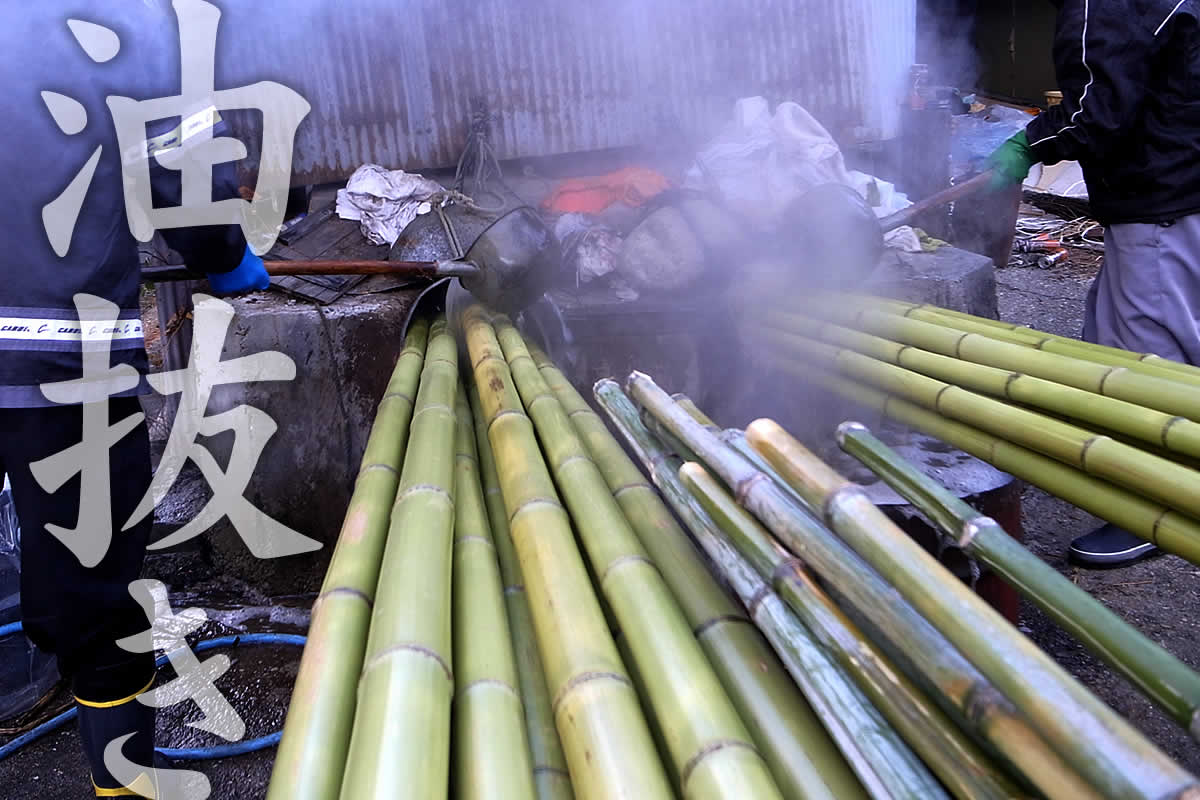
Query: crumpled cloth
point(762, 161)
point(385, 201)
point(632, 186)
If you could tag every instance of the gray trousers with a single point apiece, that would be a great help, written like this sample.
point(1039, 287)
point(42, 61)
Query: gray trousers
point(1147, 295)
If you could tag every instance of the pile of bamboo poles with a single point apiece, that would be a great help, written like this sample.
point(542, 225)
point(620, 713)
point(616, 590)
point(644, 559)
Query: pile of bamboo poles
point(513, 611)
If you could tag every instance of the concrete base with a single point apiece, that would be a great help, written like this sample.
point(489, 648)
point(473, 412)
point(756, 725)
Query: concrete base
point(344, 354)
point(948, 277)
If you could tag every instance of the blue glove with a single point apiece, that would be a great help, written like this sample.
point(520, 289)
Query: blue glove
point(247, 276)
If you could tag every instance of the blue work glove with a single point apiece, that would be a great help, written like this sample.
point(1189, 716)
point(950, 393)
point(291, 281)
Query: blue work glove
point(247, 276)
point(1011, 161)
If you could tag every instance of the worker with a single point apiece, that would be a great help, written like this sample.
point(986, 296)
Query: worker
point(1130, 115)
point(74, 611)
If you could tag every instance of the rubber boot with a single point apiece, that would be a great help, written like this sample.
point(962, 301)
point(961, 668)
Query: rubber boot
point(102, 723)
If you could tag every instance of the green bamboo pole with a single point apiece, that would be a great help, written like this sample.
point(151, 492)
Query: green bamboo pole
point(1101, 745)
point(805, 762)
point(1153, 428)
point(960, 765)
point(976, 698)
point(1147, 363)
point(312, 753)
point(550, 775)
point(1168, 529)
point(1168, 396)
point(860, 732)
point(407, 684)
point(604, 736)
point(1159, 675)
point(491, 751)
point(709, 745)
point(1170, 483)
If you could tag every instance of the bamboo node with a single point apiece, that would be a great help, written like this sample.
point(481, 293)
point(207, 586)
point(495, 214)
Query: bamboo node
point(708, 750)
point(493, 682)
point(385, 467)
point(630, 487)
point(585, 678)
point(425, 488)
point(537, 501)
point(545, 769)
point(1166, 428)
point(788, 568)
point(396, 395)
point(474, 537)
point(409, 647)
point(745, 487)
point(844, 493)
point(707, 625)
point(346, 590)
point(970, 530)
point(626, 559)
point(757, 599)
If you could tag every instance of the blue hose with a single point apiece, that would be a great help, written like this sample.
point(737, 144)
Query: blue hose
point(173, 753)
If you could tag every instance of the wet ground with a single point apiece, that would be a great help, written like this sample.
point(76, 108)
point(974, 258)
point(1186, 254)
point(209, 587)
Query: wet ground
point(1160, 596)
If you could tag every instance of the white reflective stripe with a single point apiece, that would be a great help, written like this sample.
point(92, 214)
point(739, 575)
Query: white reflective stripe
point(1091, 80)
point(1163, 24)
point(65, 330)
point(196, 123)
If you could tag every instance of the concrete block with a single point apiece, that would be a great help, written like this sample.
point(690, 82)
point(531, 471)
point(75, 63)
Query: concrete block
point(947, 277)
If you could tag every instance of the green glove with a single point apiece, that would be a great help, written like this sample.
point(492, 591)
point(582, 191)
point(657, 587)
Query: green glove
point(1011, 161)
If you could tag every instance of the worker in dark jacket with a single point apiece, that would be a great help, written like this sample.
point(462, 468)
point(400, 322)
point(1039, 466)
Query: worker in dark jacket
point(75, 611)
point(1129, 71)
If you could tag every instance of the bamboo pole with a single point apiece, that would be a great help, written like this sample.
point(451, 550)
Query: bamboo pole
point(1147, 363)
point(491, 751)
point(407, 684)
point(604, 736)
point(1159, 675)
point(1155, 477)
point(710, 748)
point(1151, 427)
point(1100, 744)
point(550, 775)
point(975, 698)
point(316, 736)
point(804, 761)
point(960, 765)
point(1168, 396)
point(855, 725)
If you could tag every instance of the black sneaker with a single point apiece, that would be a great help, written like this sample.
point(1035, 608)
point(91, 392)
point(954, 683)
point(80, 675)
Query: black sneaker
point(1109, 546)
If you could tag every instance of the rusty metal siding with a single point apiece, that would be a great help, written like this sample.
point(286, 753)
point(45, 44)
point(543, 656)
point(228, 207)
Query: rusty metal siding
point(392, 81)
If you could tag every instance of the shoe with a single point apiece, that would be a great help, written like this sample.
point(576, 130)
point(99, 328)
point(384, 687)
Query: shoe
point(1109, 546)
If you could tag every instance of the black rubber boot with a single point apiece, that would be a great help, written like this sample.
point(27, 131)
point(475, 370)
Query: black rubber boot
point(102, 723)
point(1109, 546)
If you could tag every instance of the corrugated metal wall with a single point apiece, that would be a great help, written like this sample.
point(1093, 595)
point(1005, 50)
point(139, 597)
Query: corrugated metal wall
point(392, 81)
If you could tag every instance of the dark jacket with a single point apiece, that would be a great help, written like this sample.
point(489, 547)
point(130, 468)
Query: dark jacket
point(38, 161)
point(1129, 71)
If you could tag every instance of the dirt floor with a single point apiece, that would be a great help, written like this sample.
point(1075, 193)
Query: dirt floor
point(1161, 596)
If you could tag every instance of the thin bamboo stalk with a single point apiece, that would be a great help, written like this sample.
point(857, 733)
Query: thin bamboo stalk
point(710, 748)
point(1168, 396)
point(1153, 428)
point(491, 751)
point(316, 736)
point(1101, 745)
point(407, 682)
point(550, 775)
point(604, 736)
point(1147, 363)
point(1159, 675)
point(1155, 477)
point(972, 697)
point(960, 765)
point(855, 725)
point(804, 761)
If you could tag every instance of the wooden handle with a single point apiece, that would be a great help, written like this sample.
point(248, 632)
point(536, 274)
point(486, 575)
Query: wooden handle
point(956, 192)
point(429, 270)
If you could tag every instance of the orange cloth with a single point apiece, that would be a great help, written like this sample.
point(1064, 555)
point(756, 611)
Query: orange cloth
point(631, 185)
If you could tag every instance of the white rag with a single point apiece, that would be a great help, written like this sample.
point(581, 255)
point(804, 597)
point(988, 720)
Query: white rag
point(761, 162)
point(385, 201)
